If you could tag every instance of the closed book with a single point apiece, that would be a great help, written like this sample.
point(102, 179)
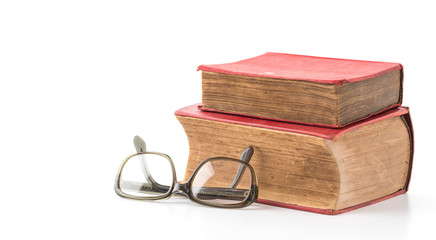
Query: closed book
point(317, 169)
point(319, 91)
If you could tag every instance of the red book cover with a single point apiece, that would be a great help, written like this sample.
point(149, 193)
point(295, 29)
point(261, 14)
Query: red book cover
point(305, 68)
point(287, 101)
point(194, 111)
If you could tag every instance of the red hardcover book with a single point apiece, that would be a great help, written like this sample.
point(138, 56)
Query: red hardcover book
point(304, 89)
point(311, 168)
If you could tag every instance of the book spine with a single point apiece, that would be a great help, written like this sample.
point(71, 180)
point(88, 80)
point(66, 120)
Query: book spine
point(408, 121)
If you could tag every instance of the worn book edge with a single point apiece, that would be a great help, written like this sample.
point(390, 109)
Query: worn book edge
point(336, 125)
point(329, 211)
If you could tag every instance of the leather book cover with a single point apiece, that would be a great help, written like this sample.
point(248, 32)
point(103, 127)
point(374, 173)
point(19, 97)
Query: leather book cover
point(273, 135)
point(305, 68)
point(328, 92)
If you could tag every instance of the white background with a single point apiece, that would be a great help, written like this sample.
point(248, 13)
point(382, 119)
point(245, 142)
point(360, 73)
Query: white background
point(80, 78)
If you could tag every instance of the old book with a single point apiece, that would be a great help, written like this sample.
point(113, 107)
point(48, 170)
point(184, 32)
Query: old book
point(318, 169)
point(303, 89)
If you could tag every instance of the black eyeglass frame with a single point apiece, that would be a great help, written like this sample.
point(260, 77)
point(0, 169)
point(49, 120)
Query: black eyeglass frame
point(186, 188)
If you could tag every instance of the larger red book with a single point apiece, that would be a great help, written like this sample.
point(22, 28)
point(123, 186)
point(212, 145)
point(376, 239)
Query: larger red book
point(304, 89)
point(318, 169)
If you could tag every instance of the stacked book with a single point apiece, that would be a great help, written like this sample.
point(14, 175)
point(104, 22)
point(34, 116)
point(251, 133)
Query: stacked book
point(329, 135)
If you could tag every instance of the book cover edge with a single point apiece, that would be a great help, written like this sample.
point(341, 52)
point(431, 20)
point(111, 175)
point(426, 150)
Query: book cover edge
point(317, 131)
point(330, 211)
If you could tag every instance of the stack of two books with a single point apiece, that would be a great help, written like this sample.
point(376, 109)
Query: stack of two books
point(329, 135)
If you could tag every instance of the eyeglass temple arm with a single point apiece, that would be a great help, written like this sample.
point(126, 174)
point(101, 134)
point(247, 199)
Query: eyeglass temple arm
point(141, 148)
point(245, 157)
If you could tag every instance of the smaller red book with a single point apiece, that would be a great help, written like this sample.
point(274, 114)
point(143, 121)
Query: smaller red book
point(310, 168)
point(304, 89)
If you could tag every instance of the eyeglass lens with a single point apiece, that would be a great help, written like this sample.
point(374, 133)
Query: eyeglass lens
point(146, 175)
point(216, 183)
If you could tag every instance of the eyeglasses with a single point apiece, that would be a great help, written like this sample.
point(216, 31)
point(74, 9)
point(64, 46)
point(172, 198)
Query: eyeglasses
point(217, 181)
